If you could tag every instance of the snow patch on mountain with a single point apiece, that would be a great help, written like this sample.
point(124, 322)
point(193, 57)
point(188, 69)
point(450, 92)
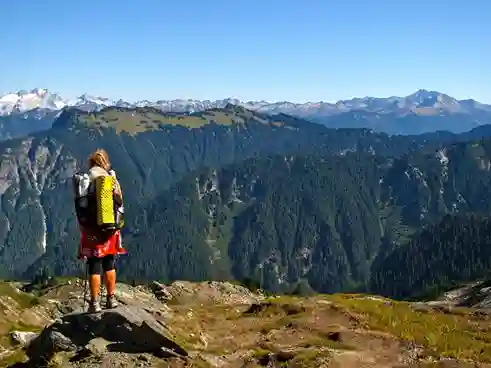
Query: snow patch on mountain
point(41, 99)
point(24, 101)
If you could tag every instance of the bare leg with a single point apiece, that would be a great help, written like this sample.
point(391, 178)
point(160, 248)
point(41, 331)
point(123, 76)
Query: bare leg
point(95, 286)
point(110, 281)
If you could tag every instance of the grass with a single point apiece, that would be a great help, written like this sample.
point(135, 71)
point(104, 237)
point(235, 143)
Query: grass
point(283, 329)
point(198, 362)
point(8, 327)
point(24, 300)
point(17, 356)
point(20, 326)
point(302, 357)
point(274, 308)
point(140, 120)
point(454, 335)
point(309, 357)
point(12, 298)
point(149, 120)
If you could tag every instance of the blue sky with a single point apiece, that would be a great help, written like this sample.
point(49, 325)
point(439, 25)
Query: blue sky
point(257, 49)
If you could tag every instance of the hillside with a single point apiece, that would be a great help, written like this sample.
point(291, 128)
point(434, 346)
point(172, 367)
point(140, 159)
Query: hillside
point(151, 151)
point(225, 325)
point(142, 119)
point(21, 125)
point(417, 121)
point(447, 254)
point(286, 221)
point(305, 196)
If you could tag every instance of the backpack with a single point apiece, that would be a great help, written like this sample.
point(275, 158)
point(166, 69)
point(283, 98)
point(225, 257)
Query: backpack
point(95, 206)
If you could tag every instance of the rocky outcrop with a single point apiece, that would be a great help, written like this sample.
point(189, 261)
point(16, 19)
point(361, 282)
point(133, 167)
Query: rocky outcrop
point(160, 291)
point(126, 329)
point(476, 295)
point(184, 292)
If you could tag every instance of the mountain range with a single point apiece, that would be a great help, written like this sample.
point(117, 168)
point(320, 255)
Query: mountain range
point(420, 102)
point(269, 201)
point(25, 112)
point(231, 193)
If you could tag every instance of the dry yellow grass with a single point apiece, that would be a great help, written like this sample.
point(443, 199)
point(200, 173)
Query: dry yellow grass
point(458, 334)
point(142, 120)
point(291, 330)
point(137, 121)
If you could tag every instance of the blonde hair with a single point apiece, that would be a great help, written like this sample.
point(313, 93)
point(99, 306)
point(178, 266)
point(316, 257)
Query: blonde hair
point(100, 158)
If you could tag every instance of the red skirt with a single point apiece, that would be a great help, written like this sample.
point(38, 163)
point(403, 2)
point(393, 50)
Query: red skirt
point(100, 246)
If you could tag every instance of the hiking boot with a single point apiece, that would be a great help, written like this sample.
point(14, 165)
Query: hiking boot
point(94, 306)
point(111, 302)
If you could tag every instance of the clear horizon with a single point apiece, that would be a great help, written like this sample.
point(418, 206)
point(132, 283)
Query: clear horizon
point(275, 51)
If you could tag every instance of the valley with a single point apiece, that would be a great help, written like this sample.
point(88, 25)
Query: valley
point(317, 246)
point(233, 194)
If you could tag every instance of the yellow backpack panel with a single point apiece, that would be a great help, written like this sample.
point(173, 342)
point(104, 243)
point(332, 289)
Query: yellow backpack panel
point(105, 202)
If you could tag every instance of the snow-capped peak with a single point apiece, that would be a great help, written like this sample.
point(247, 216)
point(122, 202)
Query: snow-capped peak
point(23, 101)
point(86, 99)
point(43, 100)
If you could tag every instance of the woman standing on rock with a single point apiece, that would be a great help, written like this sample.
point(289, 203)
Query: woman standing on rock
point(100, 248)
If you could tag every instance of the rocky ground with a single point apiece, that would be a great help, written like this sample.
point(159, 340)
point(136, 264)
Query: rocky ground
point(214, 324)
point(476, 295)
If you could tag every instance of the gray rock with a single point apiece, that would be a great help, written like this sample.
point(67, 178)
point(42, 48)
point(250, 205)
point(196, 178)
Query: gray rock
point(125, 329)
point(22, 337)
point(97, 346)
point(160, 291)
point(163, 352)
point(48, 343)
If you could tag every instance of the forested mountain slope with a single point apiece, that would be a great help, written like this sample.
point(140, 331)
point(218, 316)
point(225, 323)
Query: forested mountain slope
point(410, 123)
point(322, 197)
point(445, 255)
point(150, 151)
point(325, 220)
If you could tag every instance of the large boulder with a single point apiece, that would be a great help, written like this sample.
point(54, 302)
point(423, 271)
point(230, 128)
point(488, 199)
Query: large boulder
point(126, 329)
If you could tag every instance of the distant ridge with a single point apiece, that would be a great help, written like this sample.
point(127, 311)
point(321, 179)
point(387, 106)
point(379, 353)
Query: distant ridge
point(41, 98)
point(26, 112)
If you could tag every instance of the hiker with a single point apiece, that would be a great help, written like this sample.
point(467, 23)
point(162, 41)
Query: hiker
point(98, 247)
